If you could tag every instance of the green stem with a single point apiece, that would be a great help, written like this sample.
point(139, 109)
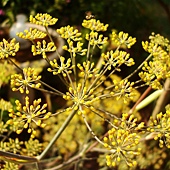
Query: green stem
point(88, 50)
point(57, 135)
point(48, 92)
point(19, 68)
point(55, 90)
point(99, 64)
point(139, 67)
point(46, 28)
point(38, 166)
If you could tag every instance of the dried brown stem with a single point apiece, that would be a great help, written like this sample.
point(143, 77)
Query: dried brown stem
point(162, 101)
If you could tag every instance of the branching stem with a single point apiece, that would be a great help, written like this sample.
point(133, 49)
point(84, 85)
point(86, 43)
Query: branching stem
point(57, 135)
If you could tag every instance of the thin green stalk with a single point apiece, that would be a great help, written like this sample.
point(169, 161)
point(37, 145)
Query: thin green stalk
point(70, 81)
point(57, 135)
point(88, 50)
point(102, 72)
point(72, 159)
point(8, 134)
point(73, 60)
point(48, 92)
point(46, 28)
point(140, 66)
point(99, 64)
point(15, 65)
point(91, 131)
point(38, 166)
point(55, 90)
point(92, 53)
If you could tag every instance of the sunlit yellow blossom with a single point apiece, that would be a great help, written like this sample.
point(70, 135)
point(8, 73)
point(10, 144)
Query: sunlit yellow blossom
point(28, 114)
point(14, 145)
point(75, 49)
point(8, 48)
point(42, 48)
point(5, 105)
point(87, 69)
point(123, 39)
point(160, 126)
point(64, 68)
point(30, 78)
point(116, 59)
point(156, 70)
point(32, 34)
point(122, 144)
point(80, 96)
point(96, 39)
point(7, 70)
point(10, 165)
point(32, 147)
point(94, 25)
point(43, 19)
point(69, 32)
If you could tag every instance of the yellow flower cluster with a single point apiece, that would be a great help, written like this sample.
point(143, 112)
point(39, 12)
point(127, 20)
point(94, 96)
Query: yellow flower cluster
point(153, 72)
point(160, 127)
point(123, 141)
point(129, 122)
point(80, 96)
point(158, 68)
point(32, 147)
point(122, 39)
point(87, 70)
point(14, 145)
point(95, 39)
point(3, 127)
point(10, 165)
point(70, 33)
point(111, 104)
point(42, 48)
point(94, 25)
point(116, 58)
point(91, 88)
point(28, 114)
point(6, 71)
point(151, 157)
point(8, 48)
point(72, 49)
point(156, 45)
point(124, 90)
point(43, 19)
point(64, 68)
point(5, 105)
point(121, 145)
point(30, 78)
point(32, 34)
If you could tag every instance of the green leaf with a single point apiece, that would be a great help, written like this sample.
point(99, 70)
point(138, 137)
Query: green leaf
point(148, 99)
